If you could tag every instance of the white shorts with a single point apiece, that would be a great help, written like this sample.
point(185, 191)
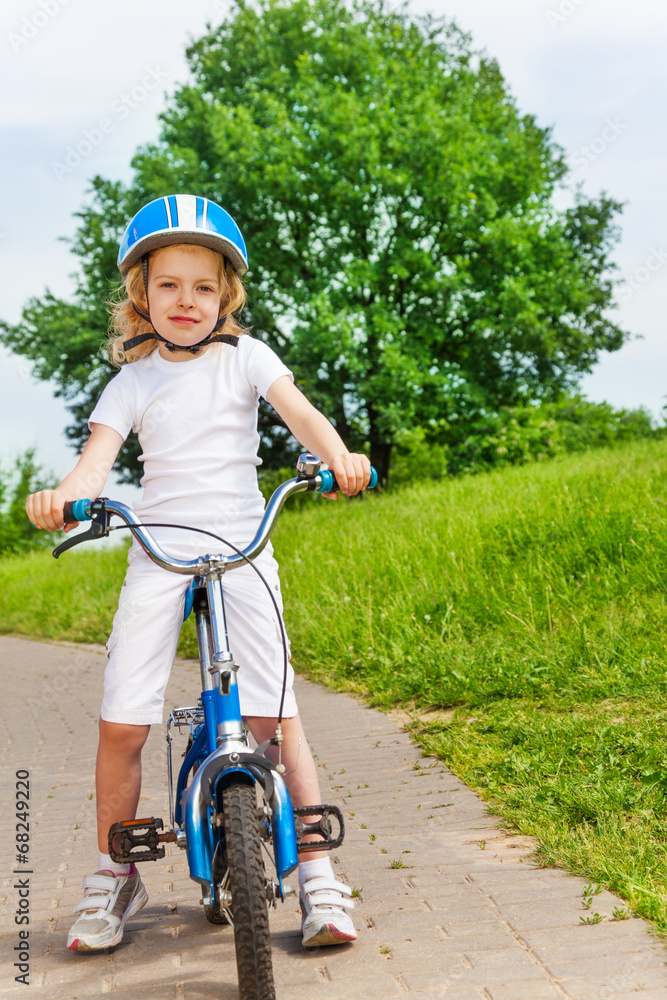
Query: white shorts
point(146, 627)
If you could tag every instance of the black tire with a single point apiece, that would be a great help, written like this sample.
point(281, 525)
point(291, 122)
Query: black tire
point(247, 884)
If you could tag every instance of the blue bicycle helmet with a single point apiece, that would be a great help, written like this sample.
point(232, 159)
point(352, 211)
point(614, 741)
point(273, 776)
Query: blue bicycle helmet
point(182, 218)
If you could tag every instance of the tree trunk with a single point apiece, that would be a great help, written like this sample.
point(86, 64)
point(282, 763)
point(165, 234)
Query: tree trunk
point(380, 459)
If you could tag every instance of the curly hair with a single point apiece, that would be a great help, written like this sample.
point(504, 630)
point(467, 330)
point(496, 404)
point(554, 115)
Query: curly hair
point(126, 323)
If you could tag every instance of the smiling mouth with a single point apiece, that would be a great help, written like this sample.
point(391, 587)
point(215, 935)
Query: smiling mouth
point(183, 320)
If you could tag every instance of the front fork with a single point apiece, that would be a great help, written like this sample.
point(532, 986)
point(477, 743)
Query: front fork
point(232, 759)
point(203, 817)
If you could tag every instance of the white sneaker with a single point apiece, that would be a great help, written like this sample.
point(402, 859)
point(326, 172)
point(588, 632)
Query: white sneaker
point(108, 901)
point(324, 905)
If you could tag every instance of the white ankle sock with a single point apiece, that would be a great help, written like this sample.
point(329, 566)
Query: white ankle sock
point(319, 866)
point(105, 864)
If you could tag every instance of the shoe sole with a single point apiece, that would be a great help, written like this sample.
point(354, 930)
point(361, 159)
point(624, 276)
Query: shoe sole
point(136, 904)
point(329, 934)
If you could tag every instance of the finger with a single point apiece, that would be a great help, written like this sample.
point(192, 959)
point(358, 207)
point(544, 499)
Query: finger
point(49, 516)
point(366, 471)
point(30, 511)
point(362, 477)
point(53, 518)
point(355, 475)
point(37, 511)
point(342, 478)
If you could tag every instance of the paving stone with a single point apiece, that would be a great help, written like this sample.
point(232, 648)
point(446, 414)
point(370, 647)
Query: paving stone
point(624, 984)
point(554, 914)
point(498, 957)
point(635, 962)
point(536, 892)
point(631, 932)
point(385, 988)
point(439, 989)
point(452, 914)
point(637, 992)
point(598, 948)
point(517, 990)
point(527, 870)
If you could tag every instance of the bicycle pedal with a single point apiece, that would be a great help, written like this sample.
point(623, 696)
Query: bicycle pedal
point(322, 827)
point(139, 840)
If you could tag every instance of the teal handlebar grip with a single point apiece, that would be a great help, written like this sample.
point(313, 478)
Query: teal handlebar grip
point(329, 484)
point(76, 510)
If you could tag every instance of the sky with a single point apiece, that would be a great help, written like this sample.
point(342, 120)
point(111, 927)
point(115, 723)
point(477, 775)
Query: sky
point(79, 73)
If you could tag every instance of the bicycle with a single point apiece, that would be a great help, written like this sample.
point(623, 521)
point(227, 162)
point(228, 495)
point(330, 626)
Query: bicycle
point(215, 813)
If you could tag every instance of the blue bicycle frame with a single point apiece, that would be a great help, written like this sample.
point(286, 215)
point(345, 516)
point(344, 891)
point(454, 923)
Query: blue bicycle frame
point(220, 752)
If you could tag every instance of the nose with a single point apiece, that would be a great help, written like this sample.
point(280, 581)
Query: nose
point(186, 299)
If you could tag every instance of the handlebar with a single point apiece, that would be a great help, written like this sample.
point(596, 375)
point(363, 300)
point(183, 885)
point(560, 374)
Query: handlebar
point(76, 510)
point(100, 511)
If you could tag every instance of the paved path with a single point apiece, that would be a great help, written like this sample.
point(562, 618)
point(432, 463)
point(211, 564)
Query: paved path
point(465, 917)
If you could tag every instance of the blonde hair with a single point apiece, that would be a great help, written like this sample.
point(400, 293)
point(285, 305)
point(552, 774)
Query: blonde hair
point(126, 323)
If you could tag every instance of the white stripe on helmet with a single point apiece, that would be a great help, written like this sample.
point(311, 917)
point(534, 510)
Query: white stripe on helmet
point(186, 205)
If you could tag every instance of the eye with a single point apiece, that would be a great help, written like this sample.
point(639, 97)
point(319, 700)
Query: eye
point(206, 288)
point(166, 284)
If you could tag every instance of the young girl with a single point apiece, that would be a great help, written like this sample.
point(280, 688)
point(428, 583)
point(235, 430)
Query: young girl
point(191, 394)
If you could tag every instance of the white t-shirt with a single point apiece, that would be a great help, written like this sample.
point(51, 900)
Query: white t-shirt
point(197, 426)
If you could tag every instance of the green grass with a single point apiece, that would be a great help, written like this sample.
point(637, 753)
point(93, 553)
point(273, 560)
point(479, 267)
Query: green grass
point(72, 599)
point(528, 604)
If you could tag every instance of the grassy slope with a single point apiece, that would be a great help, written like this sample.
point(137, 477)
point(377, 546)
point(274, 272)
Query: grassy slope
point(534, 601)
point(531, 601)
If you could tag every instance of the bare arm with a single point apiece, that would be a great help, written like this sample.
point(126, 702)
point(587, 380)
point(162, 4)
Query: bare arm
point(312, 429)
point(86, 480)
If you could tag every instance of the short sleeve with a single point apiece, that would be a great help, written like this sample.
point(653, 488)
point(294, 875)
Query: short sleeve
point(262, 366)
point(114, 408)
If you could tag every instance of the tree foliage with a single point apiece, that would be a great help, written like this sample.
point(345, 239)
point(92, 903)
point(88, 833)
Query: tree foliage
point(16, 532)
point(406, 256)
point(517, 435)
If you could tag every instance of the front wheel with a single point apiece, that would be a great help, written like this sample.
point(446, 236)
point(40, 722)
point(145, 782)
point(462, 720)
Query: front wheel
point(247, 884)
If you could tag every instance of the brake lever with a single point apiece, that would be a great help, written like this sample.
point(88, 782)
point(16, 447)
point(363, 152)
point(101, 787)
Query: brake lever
point(99, 528)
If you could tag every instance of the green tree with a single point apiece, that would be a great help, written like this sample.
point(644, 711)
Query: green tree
point(16, 532)
point(406, 257)
point(583, 424)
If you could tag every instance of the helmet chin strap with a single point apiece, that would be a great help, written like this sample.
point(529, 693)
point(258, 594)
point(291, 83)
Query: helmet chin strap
point(223, 338)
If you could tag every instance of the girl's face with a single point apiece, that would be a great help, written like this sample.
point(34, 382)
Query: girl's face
point(184, 296)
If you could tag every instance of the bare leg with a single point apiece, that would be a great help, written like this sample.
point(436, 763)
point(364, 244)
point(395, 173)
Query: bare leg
point(301, 773)
point(117, 775)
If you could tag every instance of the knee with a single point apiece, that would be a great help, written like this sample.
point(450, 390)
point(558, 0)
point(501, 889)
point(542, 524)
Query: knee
point(120, 737)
